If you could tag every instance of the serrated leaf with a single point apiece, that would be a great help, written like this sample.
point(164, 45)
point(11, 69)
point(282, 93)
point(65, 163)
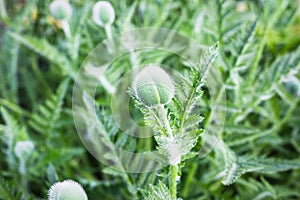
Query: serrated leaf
point(193, 122)
point(245, 164)
point(206, 59)
point(158, 192)
point(113, 172)
point(44, 48)
point(284, 94)
point(45, 119)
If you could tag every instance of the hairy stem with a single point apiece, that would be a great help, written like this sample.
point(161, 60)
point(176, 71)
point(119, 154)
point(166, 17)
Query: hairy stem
point(173, 180)
point(162, 114)
point(108, 31)
point(110, 43)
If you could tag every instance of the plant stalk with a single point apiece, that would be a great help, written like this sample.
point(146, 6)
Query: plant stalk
point(109, 41)
point(189, 180)
point(173, 181)
point(162, 114)
point(66, 28)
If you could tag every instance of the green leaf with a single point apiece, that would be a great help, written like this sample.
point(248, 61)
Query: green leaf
point(4, 192)
point(113, 172)
point(245, 164)
point(206, 59)
point(45, 120)
point(158, 192)
point(45, 49)
point(52, 175)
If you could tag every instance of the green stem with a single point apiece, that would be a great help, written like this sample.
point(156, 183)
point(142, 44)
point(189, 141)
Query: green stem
point(220, 23)
point(189, 180)
point(289, 113)
point(257, 59)
point(110, 43)
point(173, 180)
point(108, 31)
point(14, 72)
point(3, 13)
point(267, 28)
point(107, 85)
point(133, 59)
point(23, 171)
point(66, 28)
point(162, 114)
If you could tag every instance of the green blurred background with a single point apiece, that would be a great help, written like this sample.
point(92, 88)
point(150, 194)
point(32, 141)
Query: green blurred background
point(259, 61)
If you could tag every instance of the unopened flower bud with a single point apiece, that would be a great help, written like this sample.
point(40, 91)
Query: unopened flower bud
point(61, 10)
point(153, 86)
point(103, 13)
point(24, 149)
point(67, 190)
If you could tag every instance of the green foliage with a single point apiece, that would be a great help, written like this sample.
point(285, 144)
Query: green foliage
point(5, 191)
point(158, 192)
point(45, 120)
point(245, 164)
point(257, 53)
point(42, 47)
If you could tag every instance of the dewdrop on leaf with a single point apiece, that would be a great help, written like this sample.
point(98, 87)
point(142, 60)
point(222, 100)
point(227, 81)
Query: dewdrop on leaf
point(61, 10)
point(67, 190)
point(24, 149)
point(103, 13)
point(153, 86)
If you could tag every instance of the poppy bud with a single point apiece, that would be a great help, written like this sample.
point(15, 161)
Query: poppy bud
point(24, 149)
point(61, 10)
point(153, 86)
point(67, 190)
point(103, 13)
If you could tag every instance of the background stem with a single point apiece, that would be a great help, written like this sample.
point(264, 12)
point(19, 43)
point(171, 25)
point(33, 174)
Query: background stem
point(66, 28)
point(189, 180)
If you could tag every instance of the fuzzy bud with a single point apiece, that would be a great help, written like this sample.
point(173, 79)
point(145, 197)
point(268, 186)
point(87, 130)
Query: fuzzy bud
point(103, 13)
point(67, 190)
point(153, 86)
point(61, 10)
point(24, 149)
